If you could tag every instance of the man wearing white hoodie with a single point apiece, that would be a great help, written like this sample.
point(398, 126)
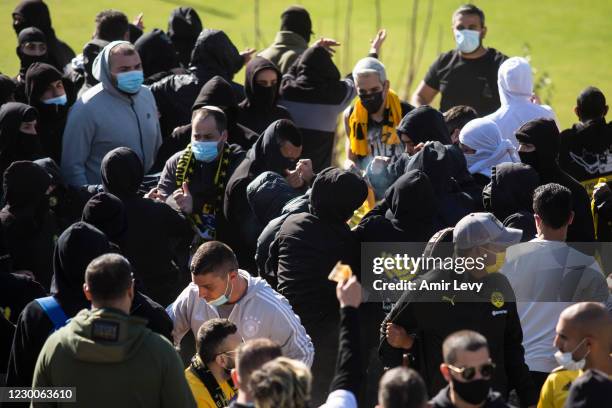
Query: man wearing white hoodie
point(220, 289)
point(515, 83)
point(119, 111)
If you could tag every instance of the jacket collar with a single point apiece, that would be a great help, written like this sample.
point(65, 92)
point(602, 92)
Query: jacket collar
point(290, 39)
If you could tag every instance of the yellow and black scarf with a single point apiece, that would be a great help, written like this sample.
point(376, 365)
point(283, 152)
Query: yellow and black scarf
point(358, 124)
point(204, 220)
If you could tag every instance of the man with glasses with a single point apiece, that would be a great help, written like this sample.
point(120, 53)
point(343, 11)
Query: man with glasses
point(209, 373)
point(468, 369)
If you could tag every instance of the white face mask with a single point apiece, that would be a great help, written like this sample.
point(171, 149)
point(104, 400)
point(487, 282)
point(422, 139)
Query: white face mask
point(223, 299)
point(567, 361)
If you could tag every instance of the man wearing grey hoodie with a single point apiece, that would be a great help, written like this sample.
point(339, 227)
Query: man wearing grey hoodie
point(119, 111)
point(103, 352)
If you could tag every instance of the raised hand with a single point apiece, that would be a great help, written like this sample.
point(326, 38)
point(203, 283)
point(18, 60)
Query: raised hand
point(184, 199)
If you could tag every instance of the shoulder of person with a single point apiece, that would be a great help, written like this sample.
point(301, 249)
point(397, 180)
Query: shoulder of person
point(445, 56)
point(406, 107)
point(496, 55)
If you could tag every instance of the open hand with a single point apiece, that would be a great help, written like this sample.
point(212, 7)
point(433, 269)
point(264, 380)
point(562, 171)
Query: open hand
point(247, 54)
point(378, 40)
point(184, 199)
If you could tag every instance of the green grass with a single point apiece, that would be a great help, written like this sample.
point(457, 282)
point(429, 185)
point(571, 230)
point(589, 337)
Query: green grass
point(568, 40)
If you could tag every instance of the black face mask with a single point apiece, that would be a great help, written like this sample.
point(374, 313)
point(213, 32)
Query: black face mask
point(29, 145)
point(231, 114)
point(19, 26)
point(372, 101)
point(473, 392)
point(27, 60)
point(530, 158)
point(264, 95)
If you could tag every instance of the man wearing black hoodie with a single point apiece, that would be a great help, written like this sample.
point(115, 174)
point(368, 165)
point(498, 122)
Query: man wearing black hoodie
point(539, 142)
point(31, 47)
point(158, 238)
point(35, 13)
point(158, 56)
point(184, 26)
point(214, 54)
point(306, 248)
point(586, 147)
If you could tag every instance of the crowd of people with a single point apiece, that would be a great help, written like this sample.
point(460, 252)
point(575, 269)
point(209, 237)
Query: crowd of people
point(150, 201)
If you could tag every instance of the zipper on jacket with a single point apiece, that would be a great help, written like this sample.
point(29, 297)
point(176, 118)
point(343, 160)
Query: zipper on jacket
point(142, 151)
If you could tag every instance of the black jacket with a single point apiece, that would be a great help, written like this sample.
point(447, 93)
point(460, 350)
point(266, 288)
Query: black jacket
point(156, 53)
point(544, 135)
point(265, 155)
point(308, 245)
point(434, 314)
point(509, 196)
point(214, 54)
point(409, 216)
point(259, 109)
point(157, 238)
point(442, 400)
point(29, 230)
point(585, 150)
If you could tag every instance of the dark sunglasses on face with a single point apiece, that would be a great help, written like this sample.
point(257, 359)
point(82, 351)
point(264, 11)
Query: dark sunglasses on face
point(468, 373)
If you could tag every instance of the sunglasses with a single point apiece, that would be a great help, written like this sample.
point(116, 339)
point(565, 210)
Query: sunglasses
point(468, 373)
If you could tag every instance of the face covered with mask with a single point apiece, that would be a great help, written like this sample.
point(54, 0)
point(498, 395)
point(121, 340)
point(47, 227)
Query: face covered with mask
point(126, 68)
point(470, 375)
point(372, 92)
point(32, 48)
point(207, 138)
point(469, 31)
point(226, 353)
point(572, 344)
point(216, 287)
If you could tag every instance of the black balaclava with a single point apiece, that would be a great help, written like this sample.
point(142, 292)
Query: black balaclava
point(7, 89)
point(14, 144)
point(80, 244)
point(336, 194)
point(218, 92)
point(425, 124)
point(184, 26)
point(156, 53)
point(106, 212)
point(26, 35)
point(122, 172)
point(407, 213)
point(297, 20)
point(259, 97)
point(38, 78)
point(266, 153)
point(25, 190)
point(35, 13)
point(90, 52)
point(544, 135)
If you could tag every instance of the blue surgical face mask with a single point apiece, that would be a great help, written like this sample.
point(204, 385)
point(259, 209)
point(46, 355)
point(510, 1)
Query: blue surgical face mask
point(58, 100)
point(467, 40)
point(205, 151)
point(223, 299)
point(130, 82)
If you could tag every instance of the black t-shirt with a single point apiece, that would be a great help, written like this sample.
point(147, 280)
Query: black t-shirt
point(471, 82)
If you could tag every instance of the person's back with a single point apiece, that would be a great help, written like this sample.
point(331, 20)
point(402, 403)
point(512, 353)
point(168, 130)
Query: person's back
point(111, 358)
point(292, 39)
point(515, 83)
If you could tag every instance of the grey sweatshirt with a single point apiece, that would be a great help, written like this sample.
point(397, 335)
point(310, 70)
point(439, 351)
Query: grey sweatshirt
point(103, 119)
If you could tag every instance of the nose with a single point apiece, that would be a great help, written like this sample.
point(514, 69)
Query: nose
point(203, 293)
point(557, 342)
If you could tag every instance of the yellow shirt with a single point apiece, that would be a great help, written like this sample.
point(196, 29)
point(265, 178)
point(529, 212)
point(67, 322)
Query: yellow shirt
point(202, 395)
point(556, 387)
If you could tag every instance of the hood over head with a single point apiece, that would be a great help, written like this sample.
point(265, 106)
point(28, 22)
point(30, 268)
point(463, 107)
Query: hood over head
point(215, 54)
point(412, 203)
point(14, 144)
point(184, 26)
point(257, 96)
point(7, 89)
point(515, 81)
point(101, 66)
point(156, 53)
point(315, 66)
point(80, 340)
point(90, 51)
point(122, 172)
point(434, 160)
point(267, 194)
point(483, 135)
point(336, 194)
point(544, 135)
point(106, 212)
point(53, 170)
point(425, 124)
point(30, 34)
point(297, 20)
point(25, 186)
point(38, 78)
point(218, 92)
point(78, 245)
point(266, 154)
point(510, 190)
point(34, 13)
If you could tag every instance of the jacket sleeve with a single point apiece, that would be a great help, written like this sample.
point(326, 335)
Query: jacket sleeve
point(514, 358)
point(402, 315)
point(78, 138)
point(287, 330)
point(583, 221)
point(41, 373)
point(167, 180)
point(180, 313)
point(348, 374)
point(175, 391)
point(24, 352)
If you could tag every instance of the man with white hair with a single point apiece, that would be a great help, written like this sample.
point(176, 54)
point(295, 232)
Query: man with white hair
point(371, 122)
point(515, 83)
point(119, 111)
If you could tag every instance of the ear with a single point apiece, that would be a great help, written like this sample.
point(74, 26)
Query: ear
point(605, 110)
point(538, 222)
point(571, 218)
point(386, 86)
point(235, 378)
point(577, 111)
point(224, 136)
point(455, 136)
point(483, 32)
point(87, 292)
point(131, 291)
point(444, 371)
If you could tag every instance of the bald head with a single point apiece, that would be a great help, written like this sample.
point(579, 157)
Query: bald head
point(588, 319)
